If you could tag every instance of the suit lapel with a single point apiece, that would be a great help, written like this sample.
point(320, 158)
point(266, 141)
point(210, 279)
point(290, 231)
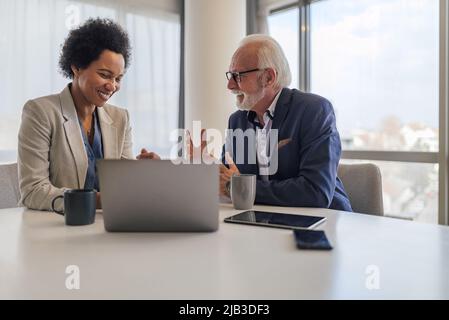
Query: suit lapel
point(73, 134)
point(281, 109)
point(109, 135)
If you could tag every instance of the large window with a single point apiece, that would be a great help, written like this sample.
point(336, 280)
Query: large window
point(32, 33)
point(378, 62)
point(284, 27)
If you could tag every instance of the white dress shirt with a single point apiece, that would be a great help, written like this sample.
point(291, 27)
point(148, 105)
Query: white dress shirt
point(262, 140)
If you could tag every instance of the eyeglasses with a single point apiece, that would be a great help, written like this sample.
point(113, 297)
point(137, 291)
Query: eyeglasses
point(237, 76)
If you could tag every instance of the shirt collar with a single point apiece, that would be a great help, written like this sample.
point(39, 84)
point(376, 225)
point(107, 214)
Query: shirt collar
point(272, 108)
point(252, 116)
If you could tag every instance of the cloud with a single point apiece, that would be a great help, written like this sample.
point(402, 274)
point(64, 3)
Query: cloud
point(378, 60)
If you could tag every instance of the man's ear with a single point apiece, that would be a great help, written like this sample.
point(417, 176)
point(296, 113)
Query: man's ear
point(270, 76)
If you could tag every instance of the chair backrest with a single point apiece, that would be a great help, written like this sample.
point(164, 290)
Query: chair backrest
point(9, 186)
point(363, 184)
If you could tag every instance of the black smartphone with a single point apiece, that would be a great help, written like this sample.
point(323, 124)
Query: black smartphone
point(312, 240)
point(276, 220)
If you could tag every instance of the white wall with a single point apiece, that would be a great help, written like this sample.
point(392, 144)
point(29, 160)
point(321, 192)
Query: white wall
point(213, 29)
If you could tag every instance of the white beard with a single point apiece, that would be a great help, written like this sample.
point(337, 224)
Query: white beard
point(249, 101)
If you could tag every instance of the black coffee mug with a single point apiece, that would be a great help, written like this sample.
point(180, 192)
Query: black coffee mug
point(79, 206)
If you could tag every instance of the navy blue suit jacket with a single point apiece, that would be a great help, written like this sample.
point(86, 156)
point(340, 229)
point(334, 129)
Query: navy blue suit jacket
point(307, 165)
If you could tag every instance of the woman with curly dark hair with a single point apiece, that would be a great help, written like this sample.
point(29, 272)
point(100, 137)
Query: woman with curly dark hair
point(62, 135)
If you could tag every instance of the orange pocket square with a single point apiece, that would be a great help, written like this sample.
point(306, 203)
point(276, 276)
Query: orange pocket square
point(283, 143)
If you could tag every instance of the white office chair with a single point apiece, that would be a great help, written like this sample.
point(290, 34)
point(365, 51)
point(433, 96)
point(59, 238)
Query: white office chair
point(9, 186)
point(363, 184)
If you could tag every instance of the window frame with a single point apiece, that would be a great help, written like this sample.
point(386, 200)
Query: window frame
point(443, 206)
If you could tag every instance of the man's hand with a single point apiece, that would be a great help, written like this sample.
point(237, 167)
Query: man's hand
point(226, 174)
point(144, 154)
point(198, 152)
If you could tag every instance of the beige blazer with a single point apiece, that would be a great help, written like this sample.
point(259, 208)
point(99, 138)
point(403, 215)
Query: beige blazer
point(51, 154)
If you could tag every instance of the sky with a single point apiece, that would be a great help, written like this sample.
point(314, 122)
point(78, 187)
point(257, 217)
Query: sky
point(372, 59)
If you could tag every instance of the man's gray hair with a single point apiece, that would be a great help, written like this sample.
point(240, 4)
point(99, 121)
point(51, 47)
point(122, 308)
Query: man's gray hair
point(271, 55)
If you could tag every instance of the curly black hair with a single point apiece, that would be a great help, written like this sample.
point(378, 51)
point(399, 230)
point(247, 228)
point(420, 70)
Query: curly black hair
point(86, 43)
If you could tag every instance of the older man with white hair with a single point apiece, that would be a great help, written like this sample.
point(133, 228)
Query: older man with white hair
point(308, 147)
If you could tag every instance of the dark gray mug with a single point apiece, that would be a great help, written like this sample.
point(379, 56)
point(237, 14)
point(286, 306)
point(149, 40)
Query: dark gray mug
point(79, 206)
point(243, 191)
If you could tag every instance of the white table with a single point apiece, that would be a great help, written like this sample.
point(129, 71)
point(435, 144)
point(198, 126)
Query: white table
point(236, 262)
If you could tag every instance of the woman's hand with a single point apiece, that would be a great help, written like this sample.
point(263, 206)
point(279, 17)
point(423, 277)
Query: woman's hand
point(144, 154)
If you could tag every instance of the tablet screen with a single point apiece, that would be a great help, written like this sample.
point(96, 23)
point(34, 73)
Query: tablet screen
point(274, 219)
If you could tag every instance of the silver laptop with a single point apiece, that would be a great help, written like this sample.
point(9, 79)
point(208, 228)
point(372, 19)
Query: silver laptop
point(150, 195)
